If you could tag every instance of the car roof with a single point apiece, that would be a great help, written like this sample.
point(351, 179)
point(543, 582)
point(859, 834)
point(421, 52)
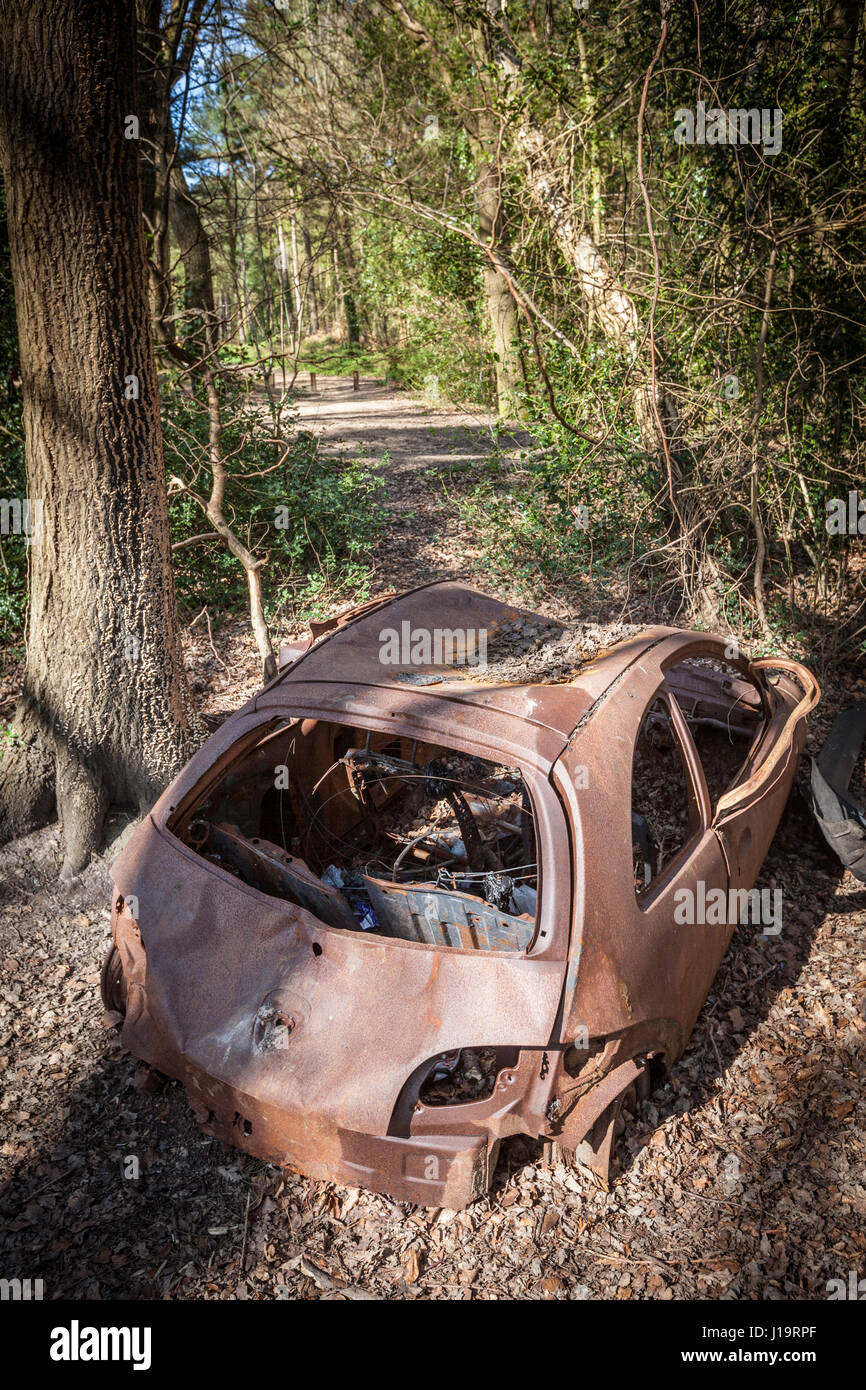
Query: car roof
point(349, 656)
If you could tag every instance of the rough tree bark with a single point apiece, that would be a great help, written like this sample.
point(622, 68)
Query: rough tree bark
point(152, 107)
point(105, 714)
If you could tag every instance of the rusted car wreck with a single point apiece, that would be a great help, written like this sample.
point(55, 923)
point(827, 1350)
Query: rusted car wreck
point(402, 906)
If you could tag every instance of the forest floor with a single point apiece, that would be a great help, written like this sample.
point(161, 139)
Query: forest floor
point(744, 1177)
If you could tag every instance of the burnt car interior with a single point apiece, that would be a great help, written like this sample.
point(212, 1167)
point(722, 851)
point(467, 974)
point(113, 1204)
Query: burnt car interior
point(374, 833)
point(726, 714)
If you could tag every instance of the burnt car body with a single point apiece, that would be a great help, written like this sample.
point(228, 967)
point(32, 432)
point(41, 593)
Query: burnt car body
point(380, 1002)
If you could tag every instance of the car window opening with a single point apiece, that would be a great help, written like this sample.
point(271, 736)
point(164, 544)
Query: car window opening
point(725, 717)
point(373, 833)
point(664, 810)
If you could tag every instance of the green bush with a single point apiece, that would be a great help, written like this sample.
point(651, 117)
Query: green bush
point(314, 516)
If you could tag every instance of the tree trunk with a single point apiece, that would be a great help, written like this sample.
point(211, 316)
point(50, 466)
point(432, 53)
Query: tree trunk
point(499, 302)
point(351, 282)
point(340, 321)
point(153, 109)
point(481, 127)
point(296, 275)
point(105, 714)
point(613, 307)
point(311, 283)
point(195, 254)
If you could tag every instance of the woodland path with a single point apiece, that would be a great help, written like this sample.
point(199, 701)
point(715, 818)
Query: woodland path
point(422, 449)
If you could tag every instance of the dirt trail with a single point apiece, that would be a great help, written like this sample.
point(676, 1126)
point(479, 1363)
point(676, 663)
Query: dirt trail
point(420, 444)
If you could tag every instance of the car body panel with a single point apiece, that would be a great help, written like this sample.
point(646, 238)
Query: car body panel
point(307, 1044)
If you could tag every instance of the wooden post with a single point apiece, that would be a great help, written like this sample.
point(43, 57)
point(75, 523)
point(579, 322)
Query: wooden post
point(312, 383)
point(355, 382)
